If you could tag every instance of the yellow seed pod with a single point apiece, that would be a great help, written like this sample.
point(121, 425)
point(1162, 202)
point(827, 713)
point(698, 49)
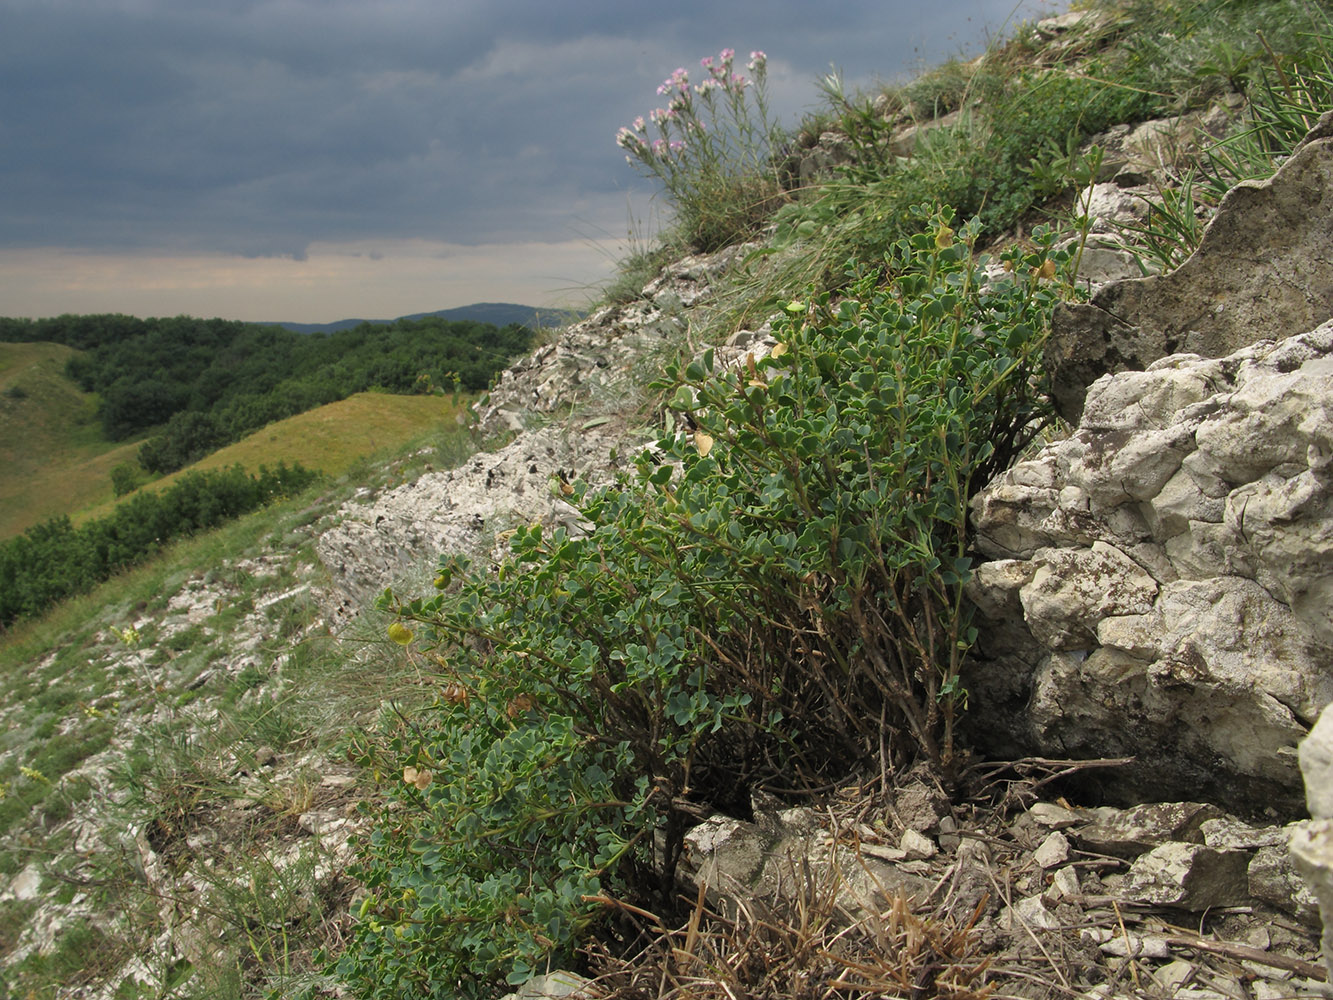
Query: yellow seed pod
point(419, 778)
point(400, 633)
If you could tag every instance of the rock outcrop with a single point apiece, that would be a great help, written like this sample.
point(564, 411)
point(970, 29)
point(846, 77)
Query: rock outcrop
point(1162, 578)
point(592, 366)
point(1264, 269)
point(375, 542)
point(598, 362)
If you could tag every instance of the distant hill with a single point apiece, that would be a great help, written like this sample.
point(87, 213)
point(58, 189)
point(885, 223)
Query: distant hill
point(499, 313)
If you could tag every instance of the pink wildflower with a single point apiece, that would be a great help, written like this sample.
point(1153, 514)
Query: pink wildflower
point(677, 80)
point(726, 55)
point(639, 123)
point(706, 62)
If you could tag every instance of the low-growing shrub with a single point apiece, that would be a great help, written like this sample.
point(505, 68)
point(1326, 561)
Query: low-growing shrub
point(126, 478)
point(776, 594)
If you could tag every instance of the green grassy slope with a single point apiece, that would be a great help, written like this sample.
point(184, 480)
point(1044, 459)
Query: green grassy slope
point(331, 438)
point(53, 459)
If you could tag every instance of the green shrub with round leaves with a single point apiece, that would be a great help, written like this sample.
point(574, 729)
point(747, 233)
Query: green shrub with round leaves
point(775, 596)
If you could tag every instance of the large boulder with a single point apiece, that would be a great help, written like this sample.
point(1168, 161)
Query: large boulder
point(1264, 269)
point(1162, 583)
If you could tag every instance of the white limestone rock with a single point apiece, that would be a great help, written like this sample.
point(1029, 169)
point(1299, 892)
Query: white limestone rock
point(1189, 876)
point(1173, 564)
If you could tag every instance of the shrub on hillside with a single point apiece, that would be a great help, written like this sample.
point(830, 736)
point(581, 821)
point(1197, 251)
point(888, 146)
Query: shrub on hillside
point(55, 560)
point(777, 592)
point(126, 478)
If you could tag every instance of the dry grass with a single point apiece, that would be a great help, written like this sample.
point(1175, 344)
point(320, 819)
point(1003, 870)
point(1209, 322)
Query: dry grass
point(805, 947)
point(333, 437)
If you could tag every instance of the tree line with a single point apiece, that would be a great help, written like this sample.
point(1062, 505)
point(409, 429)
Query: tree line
point(204, 383)
point(56, 559)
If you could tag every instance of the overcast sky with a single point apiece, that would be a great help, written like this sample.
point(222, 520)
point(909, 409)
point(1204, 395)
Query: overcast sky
point(313, 160)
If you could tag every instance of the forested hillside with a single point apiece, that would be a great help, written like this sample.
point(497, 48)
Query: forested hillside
point(207, 382)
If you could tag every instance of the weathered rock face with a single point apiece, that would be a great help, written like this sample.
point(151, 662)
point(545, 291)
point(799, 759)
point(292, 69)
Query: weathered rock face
point(1163, 583)
point(373, 542)
point(1264, 269)
point(594, 360)
point(465, 511)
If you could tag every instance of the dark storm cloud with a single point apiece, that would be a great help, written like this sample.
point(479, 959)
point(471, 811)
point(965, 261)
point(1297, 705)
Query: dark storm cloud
point(259, 127)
